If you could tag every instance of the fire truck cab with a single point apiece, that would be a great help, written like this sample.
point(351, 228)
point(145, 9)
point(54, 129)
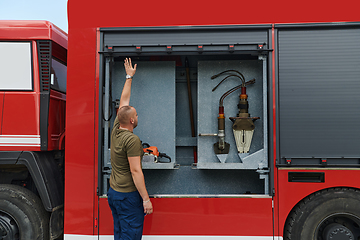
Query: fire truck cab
point(32, 129)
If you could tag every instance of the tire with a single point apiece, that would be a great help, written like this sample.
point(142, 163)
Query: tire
point(22, 215)
point(331, 214)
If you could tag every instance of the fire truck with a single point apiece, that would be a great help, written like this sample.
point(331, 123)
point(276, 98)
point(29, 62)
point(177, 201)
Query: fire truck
point(255, 103)
point(33, 57)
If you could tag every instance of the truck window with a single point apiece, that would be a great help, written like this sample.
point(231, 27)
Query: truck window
point(58, 75)
point(15, 66)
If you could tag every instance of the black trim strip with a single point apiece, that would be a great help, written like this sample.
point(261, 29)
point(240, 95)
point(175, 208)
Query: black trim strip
point(176, 49)
point(309, 177)
point(319, 25)
point(44, 56)
point(216, 51)
point(318, 166)
point(194, 28)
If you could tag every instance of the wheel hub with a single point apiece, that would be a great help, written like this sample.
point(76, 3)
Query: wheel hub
point(337, 231)
point(8, 228)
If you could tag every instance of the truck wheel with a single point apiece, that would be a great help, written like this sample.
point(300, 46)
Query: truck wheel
point(331, 214)
point(22, 215)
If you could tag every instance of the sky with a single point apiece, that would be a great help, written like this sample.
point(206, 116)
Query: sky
point(54, 11)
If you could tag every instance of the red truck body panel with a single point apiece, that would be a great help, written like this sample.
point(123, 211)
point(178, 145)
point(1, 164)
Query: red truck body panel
point(86, 213)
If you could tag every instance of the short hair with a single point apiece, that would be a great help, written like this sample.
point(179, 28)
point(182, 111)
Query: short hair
point(124, 114)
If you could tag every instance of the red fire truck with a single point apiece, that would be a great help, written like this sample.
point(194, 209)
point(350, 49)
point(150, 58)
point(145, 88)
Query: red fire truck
point(255, 103)
point(33, 57)
point(280, 160)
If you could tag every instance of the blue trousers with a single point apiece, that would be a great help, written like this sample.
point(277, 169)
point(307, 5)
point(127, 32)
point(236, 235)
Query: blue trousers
point(128, 214)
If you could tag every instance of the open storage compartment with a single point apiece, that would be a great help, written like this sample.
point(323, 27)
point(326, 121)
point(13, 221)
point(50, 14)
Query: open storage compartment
point(208, 100)
point(176, 62)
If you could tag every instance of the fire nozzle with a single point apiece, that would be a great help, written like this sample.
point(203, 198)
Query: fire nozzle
point(221, 128)
point(221, 147)
point(243, 124)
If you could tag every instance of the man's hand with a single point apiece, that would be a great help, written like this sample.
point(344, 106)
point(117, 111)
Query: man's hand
point(130, 70)
point(148, 208)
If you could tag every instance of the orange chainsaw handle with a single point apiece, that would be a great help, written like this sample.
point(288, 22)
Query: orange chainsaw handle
point(152, 150)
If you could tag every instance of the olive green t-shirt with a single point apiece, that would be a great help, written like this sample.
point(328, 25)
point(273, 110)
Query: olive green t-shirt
point(124, 144)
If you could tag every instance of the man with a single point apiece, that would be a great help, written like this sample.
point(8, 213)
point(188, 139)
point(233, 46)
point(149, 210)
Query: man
point(127, 196)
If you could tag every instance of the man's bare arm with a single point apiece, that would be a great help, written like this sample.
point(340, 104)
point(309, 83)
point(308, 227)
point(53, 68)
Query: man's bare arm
point(126, 92)
point(139, 181)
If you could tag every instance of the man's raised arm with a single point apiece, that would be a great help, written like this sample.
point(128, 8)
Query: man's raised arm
point(126, 92)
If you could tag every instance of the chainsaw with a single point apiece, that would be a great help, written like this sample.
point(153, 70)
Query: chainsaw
point(152, 154)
